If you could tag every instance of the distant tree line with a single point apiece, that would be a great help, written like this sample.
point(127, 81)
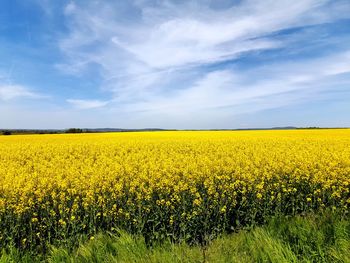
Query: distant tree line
point(70, 130)
point(6, 133)
point(74, 130)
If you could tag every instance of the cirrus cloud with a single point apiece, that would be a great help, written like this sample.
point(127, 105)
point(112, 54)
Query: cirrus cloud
point(87, 104)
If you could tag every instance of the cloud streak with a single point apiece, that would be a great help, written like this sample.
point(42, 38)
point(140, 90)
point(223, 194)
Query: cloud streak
point(225, 89)
point(87, 104)
point(10, 92)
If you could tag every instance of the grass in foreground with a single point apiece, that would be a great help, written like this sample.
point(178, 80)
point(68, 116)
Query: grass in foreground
point(321, 238)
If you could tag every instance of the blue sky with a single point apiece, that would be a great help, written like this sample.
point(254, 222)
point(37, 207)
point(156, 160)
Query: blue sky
point(174, 64)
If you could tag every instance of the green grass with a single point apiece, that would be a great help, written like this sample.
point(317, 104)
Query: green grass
point(312, 238)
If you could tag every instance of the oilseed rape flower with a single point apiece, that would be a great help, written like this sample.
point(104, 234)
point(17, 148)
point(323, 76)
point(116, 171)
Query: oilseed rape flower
point(183, 185)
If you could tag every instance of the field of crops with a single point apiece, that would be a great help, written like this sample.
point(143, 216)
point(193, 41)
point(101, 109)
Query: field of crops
point(186, 186)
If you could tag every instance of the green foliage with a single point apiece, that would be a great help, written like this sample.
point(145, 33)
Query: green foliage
point(314, 238)
point(6, 133)
point(74, 130)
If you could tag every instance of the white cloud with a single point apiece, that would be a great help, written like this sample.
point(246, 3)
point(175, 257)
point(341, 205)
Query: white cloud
point(70, 8)
point(215, 36)
point(10, 91)
point(87, 104)
point(156, 62)
point(168, 36)
point(284, 83)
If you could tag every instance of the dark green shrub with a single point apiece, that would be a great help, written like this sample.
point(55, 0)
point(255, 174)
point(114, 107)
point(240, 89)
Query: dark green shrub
point(74, 130)
point(6, 133)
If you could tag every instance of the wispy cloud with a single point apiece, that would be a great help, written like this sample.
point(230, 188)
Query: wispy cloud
point(141, 59)
point(163, 36)
point(87, 104)
point(10, 91)
point(226, 89)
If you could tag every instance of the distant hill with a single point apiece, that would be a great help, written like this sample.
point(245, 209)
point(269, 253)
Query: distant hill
point(273, 128)
point(284, 128)
point(97, 130)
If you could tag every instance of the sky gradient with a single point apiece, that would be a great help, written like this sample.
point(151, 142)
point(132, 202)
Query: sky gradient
point(174, 64)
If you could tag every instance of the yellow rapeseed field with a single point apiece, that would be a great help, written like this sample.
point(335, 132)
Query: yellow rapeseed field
point(177, 185)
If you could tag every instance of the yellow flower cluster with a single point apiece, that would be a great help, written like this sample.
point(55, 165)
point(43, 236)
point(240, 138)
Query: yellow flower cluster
point(180, 185)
